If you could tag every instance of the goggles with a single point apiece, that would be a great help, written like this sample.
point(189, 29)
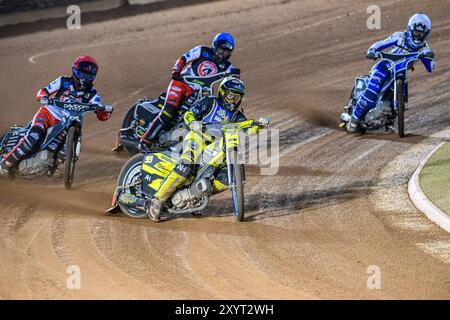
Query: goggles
point(84, 75)
point(223, 53)
point(232, 98)
point(418, 35)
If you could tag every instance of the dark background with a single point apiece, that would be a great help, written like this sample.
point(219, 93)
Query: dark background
point(13, 6)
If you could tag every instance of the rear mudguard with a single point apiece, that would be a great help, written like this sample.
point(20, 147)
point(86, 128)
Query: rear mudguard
point(114, 209)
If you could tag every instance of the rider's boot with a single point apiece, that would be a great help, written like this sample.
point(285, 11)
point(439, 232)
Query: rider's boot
point(5, 169)
point(153, 131)
point(118, 147)
point(389, 126)
point(167, 188)
point(354, 125)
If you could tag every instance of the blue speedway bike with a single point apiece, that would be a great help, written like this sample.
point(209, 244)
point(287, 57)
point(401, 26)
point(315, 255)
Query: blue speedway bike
point(61, 146)
point(393, 100)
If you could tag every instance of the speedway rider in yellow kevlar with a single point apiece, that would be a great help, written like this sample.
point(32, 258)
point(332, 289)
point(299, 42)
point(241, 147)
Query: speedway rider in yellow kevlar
point(223, 108)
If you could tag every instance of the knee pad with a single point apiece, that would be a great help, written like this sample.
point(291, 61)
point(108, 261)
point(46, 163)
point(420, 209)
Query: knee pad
point(362, 106)
point(35, 136)
point(33, 139)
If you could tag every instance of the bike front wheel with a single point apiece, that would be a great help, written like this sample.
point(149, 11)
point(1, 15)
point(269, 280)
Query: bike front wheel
point(71, 157)
point(400, 109)
point(237, 187)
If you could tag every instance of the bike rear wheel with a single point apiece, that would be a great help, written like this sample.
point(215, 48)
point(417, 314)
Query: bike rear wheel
point(237, 187)
point(71, 157)
point(128, 175)
point(400, 109)
point(129, 117)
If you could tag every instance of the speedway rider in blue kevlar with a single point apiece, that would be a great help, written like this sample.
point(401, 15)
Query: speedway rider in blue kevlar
point(414, 39)
point(200, 61)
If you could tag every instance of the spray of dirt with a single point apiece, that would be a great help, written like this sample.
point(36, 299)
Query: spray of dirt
point(313, 111)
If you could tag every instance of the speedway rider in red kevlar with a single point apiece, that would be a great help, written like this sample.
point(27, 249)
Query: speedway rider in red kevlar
point(78, 87)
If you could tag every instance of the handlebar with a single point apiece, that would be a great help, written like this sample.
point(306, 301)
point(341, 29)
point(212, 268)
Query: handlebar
point(397, 56)
point(263, 123)
point(207, 81)
point(77, 106)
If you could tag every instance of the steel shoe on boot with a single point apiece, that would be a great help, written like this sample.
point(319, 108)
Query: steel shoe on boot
point(353, 126)
point(154, 209)
point(389, 127)
point(5, 169)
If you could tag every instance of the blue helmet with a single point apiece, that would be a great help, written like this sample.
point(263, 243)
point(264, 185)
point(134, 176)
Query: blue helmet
point(225, 42)
point(418, 30)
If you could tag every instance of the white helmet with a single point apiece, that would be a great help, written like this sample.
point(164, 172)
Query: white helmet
point(418, 30)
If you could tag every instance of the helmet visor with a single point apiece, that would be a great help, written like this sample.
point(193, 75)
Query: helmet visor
point(232, 98)
point(223, 54)
point(418, 35)
point(84, 75)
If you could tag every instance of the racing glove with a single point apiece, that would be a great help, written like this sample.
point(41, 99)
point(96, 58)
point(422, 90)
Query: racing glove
point(428, 54)
point(42, 97)
point(253, 130)
point(188, 117)
point(235, 72)
point(44, 101)
point(104, 112)
point(176, 75)
point(261, 123)
point(191, 121)
point(108, 108)
point(264, 122)
point(372, 54)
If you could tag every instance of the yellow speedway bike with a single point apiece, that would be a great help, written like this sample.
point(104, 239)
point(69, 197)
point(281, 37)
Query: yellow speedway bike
point(142, 175)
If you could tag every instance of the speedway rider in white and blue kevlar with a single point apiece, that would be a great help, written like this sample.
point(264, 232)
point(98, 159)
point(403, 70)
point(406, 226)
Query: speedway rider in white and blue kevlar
point(414, 39)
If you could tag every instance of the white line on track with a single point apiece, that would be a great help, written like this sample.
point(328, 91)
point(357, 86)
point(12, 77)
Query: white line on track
point(366, 153)
point(33, 58)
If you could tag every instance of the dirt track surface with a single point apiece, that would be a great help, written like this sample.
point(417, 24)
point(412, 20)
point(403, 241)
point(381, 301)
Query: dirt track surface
point(312, 230)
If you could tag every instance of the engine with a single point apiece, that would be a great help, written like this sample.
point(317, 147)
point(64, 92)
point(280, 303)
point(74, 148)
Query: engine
point(38, 165)
point(377, 117)
point(191, 197)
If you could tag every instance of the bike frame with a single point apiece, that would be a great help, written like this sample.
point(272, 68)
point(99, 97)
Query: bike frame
point(204, 83)
point(231, 138)
point(75, 114)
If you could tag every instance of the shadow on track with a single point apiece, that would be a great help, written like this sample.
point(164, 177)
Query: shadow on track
point(272, 205)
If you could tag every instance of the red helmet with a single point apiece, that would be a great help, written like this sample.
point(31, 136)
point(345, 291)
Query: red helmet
point(84, 70)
